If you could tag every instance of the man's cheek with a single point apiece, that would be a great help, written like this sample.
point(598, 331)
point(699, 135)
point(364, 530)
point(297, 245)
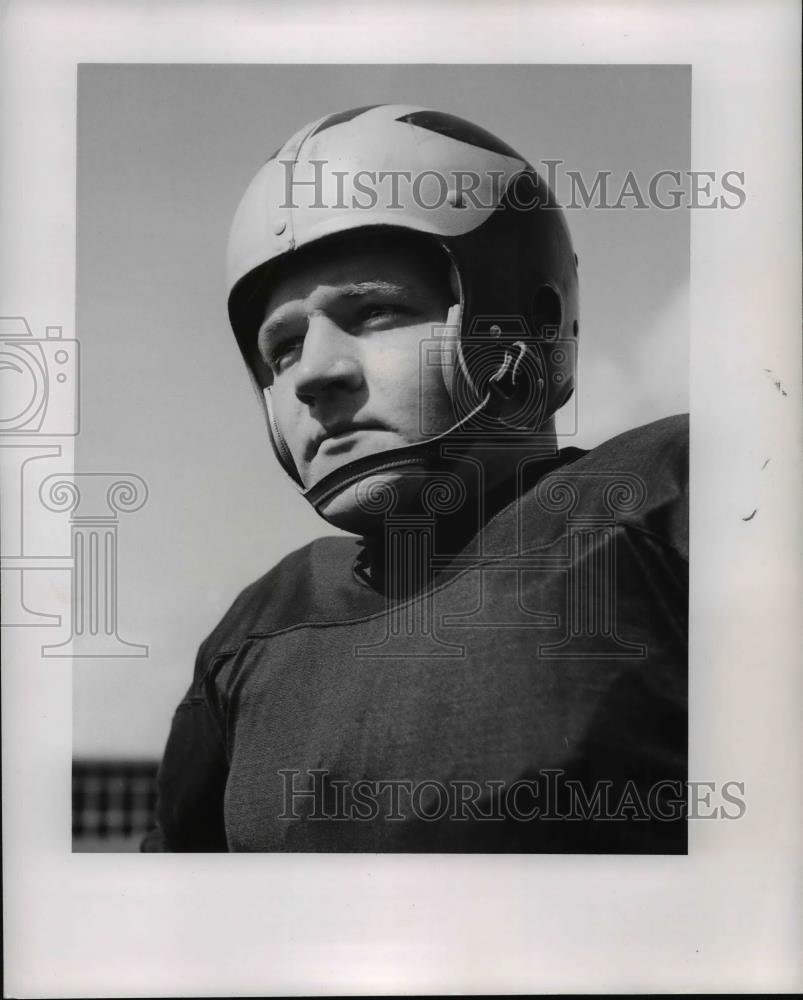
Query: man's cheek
point(298, 449)
point(435, 413)
point(393, 362)
point(286, 415)
point(289, 431)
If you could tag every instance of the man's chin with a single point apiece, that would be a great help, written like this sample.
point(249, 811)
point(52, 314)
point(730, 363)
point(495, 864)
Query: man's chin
point(336, 453)
point(362, 507)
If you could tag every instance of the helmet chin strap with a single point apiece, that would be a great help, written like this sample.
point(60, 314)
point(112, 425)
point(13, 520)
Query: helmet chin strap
point(422, 454)
point(502, 387)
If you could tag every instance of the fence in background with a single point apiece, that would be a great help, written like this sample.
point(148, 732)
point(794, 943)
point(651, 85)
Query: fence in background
point(113, 804)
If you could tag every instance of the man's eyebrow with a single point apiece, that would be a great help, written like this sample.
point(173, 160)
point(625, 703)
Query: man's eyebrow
point(351, 290)
point(356, 288)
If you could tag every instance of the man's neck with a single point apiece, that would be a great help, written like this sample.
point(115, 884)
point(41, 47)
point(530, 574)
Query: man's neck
point(410, 547)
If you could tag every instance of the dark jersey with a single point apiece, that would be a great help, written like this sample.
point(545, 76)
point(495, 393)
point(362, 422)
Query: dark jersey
point(531, 697)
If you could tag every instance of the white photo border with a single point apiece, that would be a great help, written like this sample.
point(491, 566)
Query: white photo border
point(728, 916)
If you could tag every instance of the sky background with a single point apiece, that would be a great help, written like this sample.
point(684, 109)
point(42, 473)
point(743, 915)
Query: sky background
point(164, 154)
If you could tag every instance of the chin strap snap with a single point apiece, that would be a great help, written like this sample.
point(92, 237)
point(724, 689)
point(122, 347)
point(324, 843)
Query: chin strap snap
point(503, 384)
point(517, 388)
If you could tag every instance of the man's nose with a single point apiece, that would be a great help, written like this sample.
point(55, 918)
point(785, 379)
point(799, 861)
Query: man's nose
point(329, 360)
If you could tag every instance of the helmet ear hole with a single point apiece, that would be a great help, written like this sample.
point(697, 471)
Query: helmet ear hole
point(547, 312)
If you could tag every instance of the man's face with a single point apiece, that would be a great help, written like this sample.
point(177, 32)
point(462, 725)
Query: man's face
point(341, 335)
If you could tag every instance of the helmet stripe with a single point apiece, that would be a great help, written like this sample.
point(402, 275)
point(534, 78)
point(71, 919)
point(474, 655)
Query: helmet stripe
point(457, 128)
point(340, 117)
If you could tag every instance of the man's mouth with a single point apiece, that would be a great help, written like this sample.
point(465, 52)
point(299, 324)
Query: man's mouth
point(341, 434)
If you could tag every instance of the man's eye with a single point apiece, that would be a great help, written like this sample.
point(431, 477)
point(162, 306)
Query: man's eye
point(281, 355)
point(381, 313)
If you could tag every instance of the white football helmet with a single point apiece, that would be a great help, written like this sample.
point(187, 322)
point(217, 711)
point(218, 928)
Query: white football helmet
point(509, 350)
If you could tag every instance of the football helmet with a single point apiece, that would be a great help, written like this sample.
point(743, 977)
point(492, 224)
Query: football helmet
point(508, 349)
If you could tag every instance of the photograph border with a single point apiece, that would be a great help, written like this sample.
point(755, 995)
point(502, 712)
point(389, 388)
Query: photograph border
point(728, 916)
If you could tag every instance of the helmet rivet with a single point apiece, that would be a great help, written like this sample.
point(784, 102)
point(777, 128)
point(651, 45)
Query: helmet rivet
point(279, 226)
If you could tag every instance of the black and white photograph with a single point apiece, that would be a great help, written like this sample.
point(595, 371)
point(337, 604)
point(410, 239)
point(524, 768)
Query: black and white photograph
point(393, 490)
point(491, 655)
